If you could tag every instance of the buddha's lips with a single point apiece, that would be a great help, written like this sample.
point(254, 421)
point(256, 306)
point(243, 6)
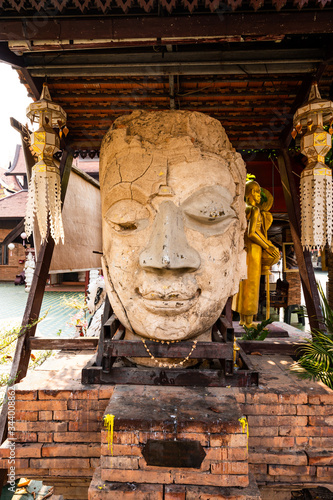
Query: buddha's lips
point(168, 296)
point(172, 302)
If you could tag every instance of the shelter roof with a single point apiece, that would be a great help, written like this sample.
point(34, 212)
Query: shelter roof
point(149, 6)
point(250, 70)
point(13, 206)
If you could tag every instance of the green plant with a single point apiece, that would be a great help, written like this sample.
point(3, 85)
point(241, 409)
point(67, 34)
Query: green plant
point(9, 333)
point(316, 362)
point(326, 310)
point(250, 177)
point(79, 318)
point(257, 332)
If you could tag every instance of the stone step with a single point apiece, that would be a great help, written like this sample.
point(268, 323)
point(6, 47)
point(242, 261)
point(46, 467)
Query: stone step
point(106, 490)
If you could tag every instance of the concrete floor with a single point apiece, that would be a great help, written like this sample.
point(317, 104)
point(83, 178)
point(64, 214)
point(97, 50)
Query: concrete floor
point(13, 301)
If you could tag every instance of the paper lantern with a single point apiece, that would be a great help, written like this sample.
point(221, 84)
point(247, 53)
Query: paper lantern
point(11, 247)
point(316, 178)
point(44, 198)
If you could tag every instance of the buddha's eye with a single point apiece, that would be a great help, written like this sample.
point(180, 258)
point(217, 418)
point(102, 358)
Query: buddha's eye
point(209, 207)
point(127, 216)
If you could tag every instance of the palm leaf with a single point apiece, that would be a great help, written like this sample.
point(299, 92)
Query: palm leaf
point(316, 361)
point(326, 310)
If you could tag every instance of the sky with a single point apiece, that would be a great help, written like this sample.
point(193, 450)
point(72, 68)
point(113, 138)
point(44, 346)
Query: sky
point(14, 101)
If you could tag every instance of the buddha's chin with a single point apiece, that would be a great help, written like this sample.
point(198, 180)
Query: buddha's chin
point(175, 327)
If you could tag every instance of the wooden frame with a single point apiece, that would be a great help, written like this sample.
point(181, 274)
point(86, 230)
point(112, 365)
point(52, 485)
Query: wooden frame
point(103, 369)
point(324, 257)
point(289, 258)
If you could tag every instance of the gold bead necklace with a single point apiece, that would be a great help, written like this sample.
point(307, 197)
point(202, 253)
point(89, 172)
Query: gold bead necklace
point(169, 365)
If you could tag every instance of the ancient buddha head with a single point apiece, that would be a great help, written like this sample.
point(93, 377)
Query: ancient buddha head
point(173, 222)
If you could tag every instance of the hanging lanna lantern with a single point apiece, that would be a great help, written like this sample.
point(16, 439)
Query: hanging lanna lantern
point(316, 179)
point(44, 198)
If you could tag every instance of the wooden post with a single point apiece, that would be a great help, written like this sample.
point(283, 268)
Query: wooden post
point(304, 262)
point(86, 284)
point(22, 352)
point(268, 302)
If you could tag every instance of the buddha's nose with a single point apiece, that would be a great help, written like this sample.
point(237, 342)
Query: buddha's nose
point(168, 247)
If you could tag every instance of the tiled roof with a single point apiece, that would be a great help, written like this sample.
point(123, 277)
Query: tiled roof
point(87, 165)
point(18, 165)
point(7, 182)
point(13, 206)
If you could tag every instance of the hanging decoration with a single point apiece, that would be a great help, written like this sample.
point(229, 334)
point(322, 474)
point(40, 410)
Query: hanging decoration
point(316, 179)
point(44, 199)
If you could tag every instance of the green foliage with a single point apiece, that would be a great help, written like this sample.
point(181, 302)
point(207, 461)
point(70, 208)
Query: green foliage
point(257, 332)
point(326, 310)
point(250, 177)
point(263, 197)
point(79, 304)
point(9, 334)
point(316, 362)
point(39, 358)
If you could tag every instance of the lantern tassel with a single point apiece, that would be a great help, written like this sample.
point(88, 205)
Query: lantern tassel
point(44, 201)
point(316, 207)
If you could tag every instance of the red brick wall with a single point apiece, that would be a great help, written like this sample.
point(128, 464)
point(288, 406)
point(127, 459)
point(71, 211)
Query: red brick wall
point(58, 435)
point(289, 433)
point(59, 438)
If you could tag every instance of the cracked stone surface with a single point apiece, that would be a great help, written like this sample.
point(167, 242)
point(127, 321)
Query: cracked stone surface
point(173, 222)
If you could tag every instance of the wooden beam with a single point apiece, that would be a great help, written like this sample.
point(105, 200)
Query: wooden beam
point(173, 377)
point(202, 350)
point(218, 68)
point(22, 352)
point(18, 229)
point(8, 57)
point(299, 101)
point(34, 84)
point(25, 135)
point(249, 56)
point(304, 262)
point(172, 29)
point(38, 343)
point(284, 348)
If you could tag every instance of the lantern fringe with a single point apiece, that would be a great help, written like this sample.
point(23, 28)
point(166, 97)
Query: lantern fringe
point(316, 210)
point(44, 201)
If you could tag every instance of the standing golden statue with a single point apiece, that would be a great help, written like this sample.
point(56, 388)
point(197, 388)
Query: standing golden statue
point(261, 253)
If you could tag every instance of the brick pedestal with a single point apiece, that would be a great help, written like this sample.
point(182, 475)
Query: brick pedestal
point(167, 415)
point(105, 490)
point(58, 423)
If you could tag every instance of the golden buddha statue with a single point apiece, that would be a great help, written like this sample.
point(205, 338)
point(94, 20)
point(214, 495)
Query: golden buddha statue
point(256, 242)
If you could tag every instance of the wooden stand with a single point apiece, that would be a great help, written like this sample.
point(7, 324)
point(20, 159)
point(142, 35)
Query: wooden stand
point(220, 371)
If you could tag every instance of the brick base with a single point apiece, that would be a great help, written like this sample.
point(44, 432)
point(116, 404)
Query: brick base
point(105, 490)
point(170, 414)
point(58, 428)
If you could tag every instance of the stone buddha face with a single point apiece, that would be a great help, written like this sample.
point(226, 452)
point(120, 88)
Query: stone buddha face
point(173, 222)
